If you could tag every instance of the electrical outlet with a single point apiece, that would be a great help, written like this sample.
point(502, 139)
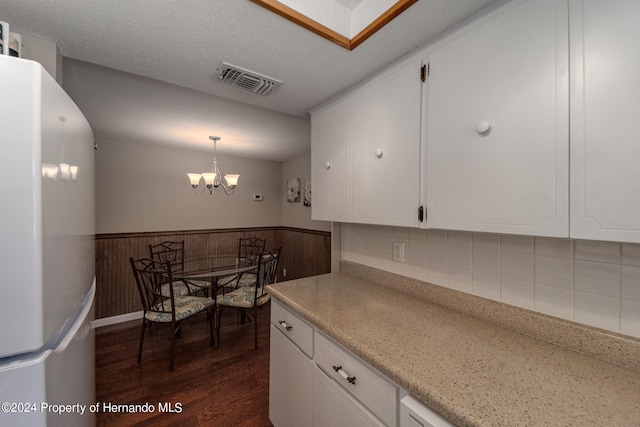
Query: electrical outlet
point(284, 272)
point(398, 251)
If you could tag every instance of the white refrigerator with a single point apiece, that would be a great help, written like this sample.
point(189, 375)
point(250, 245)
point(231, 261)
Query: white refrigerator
point(47, 235)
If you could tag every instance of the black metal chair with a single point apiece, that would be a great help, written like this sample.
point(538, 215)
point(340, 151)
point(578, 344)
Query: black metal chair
point(249, 249)
point(248, 299)
point(173, 252)
point(151, 278)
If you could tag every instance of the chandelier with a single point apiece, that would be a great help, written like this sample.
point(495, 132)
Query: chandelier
point(213, 179)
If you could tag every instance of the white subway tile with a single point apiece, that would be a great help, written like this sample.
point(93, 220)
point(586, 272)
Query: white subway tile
point(418, 272)
point(517, 265)
point(417, 234)
point(437, 273)
point(597, 278)
point(631, 254)
point(460, 279)
point(554, 247)
point(486, 285)
point(553, 301)
point(596, 310)
point(630, 318)
point(361, 240)
point(459, 238)
point(417, 250)
point(592, 250)
point(517, 292)
point(486, 240)
point(386, 265)
point(459, 256)
point(554, 271)
point(437, 236)
point(384, 230)
point(373, 242)
point(401, 233)
point(486, 260)
point(631, 283)
point(385, 247)
point(516, 243)
point(436, 253)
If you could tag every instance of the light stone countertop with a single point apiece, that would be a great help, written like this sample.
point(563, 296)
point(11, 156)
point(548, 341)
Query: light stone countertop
point(472, 372)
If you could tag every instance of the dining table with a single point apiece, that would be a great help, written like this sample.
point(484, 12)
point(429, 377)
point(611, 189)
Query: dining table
point(213, 268)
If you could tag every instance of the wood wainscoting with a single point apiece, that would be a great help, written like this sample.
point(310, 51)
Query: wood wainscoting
point(304, 253)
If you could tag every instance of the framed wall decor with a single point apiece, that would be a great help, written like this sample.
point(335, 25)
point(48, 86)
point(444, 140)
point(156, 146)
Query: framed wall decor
point(307, 194)
point(293, 190)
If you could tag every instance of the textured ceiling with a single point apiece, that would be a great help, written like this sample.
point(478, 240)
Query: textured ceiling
point(182, 43)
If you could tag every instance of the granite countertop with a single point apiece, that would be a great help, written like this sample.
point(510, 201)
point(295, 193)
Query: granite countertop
point(472, 372)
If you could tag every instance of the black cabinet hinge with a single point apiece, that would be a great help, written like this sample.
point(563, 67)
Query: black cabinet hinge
point(423, 73)
point(421, 212)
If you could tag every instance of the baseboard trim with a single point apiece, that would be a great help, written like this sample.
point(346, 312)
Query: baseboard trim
point(106, 321)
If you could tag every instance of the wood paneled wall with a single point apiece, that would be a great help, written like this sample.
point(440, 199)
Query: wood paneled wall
point(304, 253)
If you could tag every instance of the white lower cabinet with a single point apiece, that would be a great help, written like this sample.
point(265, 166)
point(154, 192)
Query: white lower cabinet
point(313, 381)
point(378, 394)
point(334, 407)
point(290, 370)
point(414, 413)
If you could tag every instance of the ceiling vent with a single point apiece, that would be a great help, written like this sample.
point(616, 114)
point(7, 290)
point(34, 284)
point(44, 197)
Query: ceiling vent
point(249, 81)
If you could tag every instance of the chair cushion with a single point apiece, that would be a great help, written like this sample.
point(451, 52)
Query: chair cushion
point(247, 279)
point(181, 289)
point(242, 298)
point(185, 307)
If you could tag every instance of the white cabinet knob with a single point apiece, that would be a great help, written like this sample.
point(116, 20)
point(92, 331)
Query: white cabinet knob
point(483, 128)
point(327, 165)
point(379, 153)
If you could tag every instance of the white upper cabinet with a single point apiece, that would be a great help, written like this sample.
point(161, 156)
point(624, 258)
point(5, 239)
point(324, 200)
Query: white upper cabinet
point(331, 162)
point(497, 142)
point(386, 147)
point(605, 120)
point(365, 151)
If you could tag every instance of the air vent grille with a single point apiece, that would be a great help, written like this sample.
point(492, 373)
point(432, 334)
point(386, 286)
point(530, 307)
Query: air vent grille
point(250, 81)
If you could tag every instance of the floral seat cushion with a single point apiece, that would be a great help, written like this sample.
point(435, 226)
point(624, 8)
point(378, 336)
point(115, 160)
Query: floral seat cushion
point(247, 279)
point(243, 298)
point(185, 306)
point(180, 288)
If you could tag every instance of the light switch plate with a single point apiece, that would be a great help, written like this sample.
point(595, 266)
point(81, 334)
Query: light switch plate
point(398, 251)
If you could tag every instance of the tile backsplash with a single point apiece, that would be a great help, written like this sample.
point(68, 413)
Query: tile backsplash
point(590, 282)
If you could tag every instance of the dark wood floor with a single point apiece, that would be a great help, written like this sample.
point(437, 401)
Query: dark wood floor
point(228, 386)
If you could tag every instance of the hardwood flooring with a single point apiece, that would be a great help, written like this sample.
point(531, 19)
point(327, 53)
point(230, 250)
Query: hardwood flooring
point(228, 386)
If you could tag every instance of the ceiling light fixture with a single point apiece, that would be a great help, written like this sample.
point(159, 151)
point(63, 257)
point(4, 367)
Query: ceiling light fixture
point(213, 179)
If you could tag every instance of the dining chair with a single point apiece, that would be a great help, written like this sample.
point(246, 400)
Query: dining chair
point(248, 299)
point(249, 249)
point(150, 278)
point(173, 252)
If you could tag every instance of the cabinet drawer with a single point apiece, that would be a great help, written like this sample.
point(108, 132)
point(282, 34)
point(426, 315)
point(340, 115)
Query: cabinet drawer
point(299, 331)
point(367, 385)
point(414, 413)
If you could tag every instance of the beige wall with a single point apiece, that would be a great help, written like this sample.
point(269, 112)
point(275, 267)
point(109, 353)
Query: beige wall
point(142, 187)
point(296, 214)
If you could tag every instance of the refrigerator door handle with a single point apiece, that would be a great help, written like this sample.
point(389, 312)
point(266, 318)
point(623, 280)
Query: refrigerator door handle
point(57, 345)
point(87, 303)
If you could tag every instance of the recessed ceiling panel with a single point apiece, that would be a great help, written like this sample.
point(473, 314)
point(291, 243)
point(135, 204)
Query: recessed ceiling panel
point(344, 22)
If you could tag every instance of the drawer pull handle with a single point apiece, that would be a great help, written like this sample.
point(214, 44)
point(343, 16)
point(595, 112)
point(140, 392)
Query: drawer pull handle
point(283, 323)
point(344, 375)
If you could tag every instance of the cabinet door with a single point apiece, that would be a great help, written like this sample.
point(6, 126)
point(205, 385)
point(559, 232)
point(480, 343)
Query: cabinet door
point(605, 126)
point(386, 147)
point(331, 162)
point(497, 138)
point(333, 407)
point(290, 392)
